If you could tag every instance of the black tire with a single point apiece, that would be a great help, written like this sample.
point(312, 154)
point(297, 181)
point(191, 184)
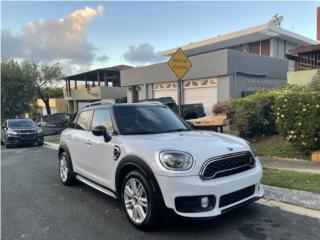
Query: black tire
point(152, 215)
point(40, 143)
point(70, 176)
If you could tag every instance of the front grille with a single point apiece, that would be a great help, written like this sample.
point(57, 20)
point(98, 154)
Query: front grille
point(28, 137)
point(236, 196)
point(227, 165)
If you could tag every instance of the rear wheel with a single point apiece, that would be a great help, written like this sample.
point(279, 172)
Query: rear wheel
point(139, 201)
point(66, 173)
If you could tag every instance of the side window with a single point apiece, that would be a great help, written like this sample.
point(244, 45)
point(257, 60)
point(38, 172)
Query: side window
point(83, 121)
point(102, 117)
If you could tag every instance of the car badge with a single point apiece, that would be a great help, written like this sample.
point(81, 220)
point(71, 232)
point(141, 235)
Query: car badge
point(230, 148)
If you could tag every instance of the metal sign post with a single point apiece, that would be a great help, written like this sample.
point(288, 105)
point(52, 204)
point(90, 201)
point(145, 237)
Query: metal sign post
point(180, 65)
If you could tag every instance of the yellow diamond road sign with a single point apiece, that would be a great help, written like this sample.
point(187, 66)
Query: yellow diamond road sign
point(179, 64)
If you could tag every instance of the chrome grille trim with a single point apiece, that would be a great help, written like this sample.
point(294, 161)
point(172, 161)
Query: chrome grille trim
point(222, 158)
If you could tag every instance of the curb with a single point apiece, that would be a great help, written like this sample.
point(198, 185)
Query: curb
point(50, 145)
point(295, 197)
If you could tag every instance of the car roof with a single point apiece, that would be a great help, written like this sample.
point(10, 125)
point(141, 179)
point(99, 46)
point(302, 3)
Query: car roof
point(102, 104)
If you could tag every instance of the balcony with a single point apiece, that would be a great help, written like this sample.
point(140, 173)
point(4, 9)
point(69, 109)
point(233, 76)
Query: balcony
point(95, 93)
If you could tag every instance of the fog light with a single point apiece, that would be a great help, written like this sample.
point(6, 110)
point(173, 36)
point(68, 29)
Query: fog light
point(204, 202)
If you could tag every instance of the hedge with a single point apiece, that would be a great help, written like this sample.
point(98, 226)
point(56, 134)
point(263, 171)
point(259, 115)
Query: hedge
point(253, 115)
point(293, 112)
point(297, 112)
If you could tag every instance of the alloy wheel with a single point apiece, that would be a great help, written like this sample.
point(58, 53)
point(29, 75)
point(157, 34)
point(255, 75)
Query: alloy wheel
point(135, 200)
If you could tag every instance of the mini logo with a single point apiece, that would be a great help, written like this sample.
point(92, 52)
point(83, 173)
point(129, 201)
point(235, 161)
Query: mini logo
point(230, 148)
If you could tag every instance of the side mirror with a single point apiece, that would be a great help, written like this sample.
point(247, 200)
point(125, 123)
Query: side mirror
point(101, 131)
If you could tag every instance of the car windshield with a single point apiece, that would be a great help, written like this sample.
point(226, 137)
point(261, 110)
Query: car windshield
point(21, 123)
point(147, 120)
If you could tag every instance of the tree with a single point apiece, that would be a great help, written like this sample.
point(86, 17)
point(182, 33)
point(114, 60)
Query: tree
point(43, 75)
point(17, 90)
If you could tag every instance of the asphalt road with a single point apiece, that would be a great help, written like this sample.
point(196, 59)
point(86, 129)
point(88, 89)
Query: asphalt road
point(36, 206)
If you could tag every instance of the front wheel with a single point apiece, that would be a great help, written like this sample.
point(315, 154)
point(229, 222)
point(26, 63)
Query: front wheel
point(138, 201)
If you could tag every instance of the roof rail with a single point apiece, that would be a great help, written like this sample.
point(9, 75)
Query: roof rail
point(103, 102)
point(150, 102)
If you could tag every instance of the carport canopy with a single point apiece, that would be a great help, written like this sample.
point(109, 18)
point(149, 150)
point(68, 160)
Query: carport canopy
point(110, 76)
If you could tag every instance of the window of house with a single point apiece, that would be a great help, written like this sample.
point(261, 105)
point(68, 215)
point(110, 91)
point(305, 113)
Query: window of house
point(265, 47)
point(254, 47)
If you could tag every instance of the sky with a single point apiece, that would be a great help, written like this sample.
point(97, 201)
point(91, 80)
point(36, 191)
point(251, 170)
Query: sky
point(87, 35)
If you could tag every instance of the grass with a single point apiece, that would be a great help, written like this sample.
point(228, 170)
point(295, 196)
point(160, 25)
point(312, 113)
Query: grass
point(276, 146)
point(292, 180)
point(52, 138)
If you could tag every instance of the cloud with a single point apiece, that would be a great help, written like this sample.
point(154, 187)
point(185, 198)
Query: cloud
point(142, 54)
point(53, 39)
point(102, 58)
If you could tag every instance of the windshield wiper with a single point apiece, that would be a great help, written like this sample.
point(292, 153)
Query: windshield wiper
point(142, 132)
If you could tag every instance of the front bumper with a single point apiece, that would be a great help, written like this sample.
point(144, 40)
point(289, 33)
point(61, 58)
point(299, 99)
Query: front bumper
point(19, 140)
point(173, 187)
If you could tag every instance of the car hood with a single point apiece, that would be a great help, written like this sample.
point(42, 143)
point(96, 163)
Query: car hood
point(24, 129)
point(202, 145)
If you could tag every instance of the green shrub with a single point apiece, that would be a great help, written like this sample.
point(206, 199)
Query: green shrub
point(253, 115)
point(297, 112)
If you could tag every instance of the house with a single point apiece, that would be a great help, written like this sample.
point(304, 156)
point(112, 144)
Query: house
point(94, 85)
point(224, 67)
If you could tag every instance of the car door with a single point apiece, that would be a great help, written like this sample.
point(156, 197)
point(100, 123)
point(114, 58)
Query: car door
point(102, 165)
point(78, 141)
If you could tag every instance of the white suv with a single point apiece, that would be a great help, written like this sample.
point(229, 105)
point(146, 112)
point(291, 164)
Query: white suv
point(149, 158)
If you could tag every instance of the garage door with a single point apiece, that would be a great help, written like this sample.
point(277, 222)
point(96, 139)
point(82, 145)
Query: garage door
point(201, 91)
point(165, 90)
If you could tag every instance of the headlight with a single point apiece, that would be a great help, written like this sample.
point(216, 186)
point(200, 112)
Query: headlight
point(39, 130)
point(175, 160)
point(11, 132)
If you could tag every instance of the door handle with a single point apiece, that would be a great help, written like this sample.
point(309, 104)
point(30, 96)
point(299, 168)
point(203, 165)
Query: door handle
point(88, 142)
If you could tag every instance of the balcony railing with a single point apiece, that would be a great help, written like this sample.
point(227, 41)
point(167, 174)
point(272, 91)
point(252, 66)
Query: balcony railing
point(95, 93)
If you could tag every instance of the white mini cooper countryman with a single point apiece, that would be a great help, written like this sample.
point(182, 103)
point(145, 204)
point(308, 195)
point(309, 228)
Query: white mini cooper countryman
point(150, 159)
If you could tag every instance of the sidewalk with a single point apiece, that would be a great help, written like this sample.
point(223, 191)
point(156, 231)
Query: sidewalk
point(290, 164)
point(53, 146)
